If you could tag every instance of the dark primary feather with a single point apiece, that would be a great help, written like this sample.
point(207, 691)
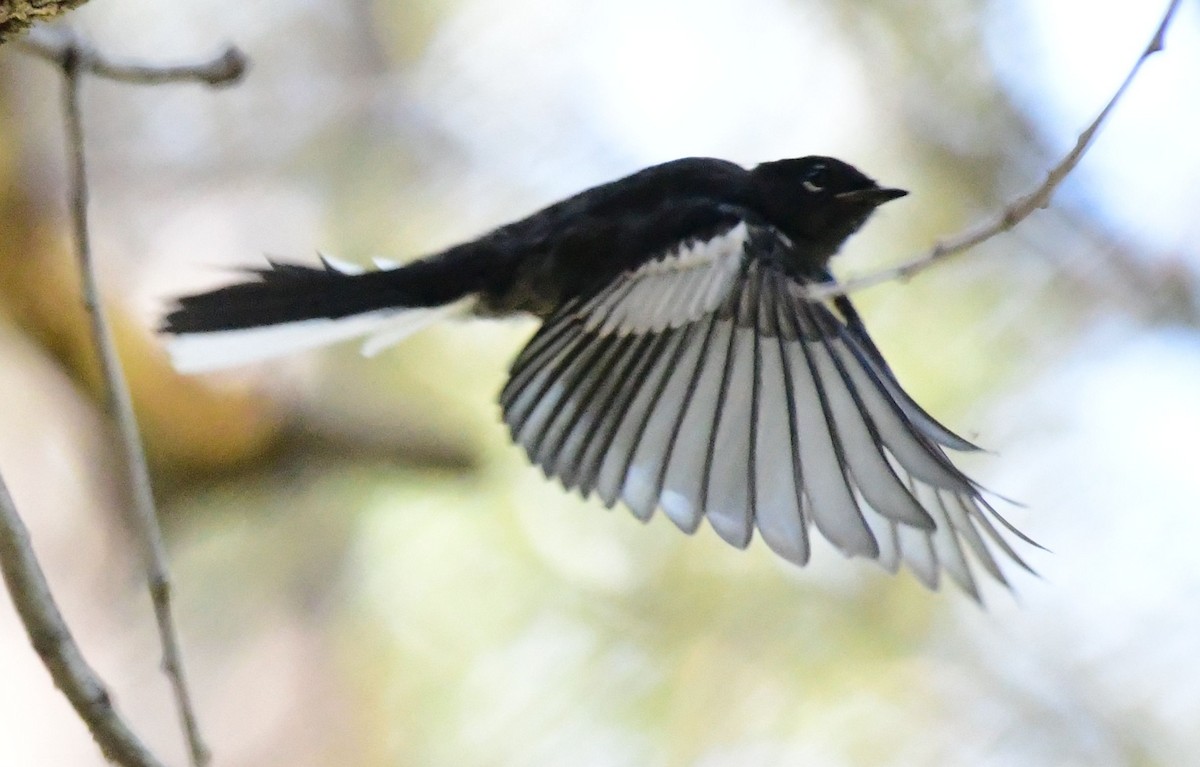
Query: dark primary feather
point(679, 365)
point(764, 411)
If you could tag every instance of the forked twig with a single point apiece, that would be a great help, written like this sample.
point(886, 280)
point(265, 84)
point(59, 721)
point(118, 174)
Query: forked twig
point(120, 406)
point(75, 60)
point(226, 68)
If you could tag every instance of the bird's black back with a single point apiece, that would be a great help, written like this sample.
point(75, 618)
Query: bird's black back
point(580, 244)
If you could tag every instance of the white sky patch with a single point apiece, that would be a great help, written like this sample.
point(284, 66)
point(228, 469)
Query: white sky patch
point(1104, 450)
point(582, 91)
point(759, 80)
point(1108, 467)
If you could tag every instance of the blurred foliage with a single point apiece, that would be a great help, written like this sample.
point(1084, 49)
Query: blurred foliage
point(16, 16)
point(188, 426)
point(369, 573)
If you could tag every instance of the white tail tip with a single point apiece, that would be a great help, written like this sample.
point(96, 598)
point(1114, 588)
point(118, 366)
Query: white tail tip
point(220, 349)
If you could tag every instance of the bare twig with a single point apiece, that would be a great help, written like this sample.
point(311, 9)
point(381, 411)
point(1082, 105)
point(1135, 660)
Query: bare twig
point(225, 69)
point(1017, 210)
point(120, 406)
point(30, 592)
point(53, 642)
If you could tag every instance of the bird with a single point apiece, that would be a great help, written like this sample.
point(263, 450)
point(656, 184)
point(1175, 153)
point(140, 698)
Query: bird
point(681, 363)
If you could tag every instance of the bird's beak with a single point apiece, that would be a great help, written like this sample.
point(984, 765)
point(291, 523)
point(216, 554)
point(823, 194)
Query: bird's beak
point(872, 197)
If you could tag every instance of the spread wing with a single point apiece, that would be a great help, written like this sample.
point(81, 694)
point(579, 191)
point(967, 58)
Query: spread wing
point(704, 383)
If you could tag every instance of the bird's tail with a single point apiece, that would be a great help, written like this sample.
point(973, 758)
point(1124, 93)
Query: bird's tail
point(287, 307)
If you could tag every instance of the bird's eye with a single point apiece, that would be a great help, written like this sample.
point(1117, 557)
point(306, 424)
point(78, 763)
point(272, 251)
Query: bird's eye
point(816, 179)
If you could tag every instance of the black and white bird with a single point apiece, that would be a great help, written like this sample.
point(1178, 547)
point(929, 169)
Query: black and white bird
point(680, 362)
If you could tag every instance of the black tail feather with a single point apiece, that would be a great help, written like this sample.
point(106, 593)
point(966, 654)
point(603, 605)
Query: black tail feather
point(286, 292)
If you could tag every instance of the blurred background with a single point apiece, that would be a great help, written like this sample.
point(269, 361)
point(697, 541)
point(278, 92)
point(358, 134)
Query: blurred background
point(368, 573)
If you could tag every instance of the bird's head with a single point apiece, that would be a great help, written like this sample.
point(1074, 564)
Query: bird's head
point(817, 201)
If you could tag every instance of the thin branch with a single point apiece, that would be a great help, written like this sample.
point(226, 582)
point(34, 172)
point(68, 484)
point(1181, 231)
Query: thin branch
point(53, 642)
point(1017, 210)
point(30, 592)
point(120, 407)
point(224, 69)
